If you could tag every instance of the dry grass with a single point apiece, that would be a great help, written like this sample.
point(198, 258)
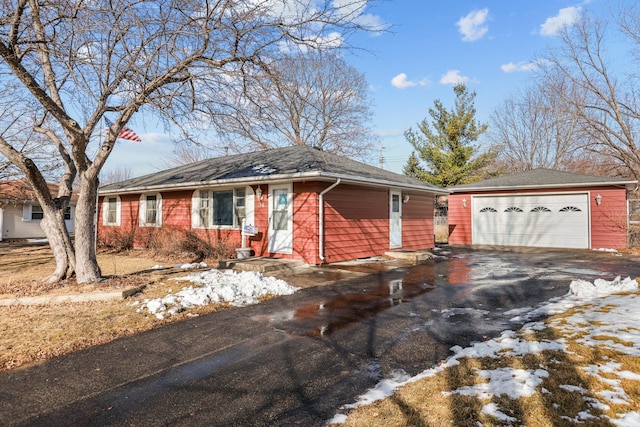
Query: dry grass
point(32, 333)
point(426, 403)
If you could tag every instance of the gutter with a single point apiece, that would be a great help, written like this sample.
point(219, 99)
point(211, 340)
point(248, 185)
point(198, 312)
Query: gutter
point(266, 179)
point(321, 218)
point(543, 186)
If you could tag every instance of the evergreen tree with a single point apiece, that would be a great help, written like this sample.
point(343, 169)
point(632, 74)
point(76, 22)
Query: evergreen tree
point(412, 168)
point(446, 147)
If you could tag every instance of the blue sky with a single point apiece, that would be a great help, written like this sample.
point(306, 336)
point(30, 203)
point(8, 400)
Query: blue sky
point(489, 45)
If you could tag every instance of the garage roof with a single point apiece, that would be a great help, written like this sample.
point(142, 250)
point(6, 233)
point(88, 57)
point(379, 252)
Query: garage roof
point(541, 178)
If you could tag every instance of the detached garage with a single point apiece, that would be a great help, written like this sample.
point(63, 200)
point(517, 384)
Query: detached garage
point(541, 208)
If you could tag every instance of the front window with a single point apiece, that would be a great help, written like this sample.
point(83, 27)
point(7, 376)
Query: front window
point(223, 207)
point(219, 208)
point(110, 211)
point(151, 210)
point(240, 208)
point(204, 213)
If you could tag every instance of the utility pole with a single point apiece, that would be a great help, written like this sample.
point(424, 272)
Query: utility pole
point(381, 159)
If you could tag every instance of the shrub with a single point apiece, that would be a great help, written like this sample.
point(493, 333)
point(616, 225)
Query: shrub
point(117, 239)
point(168, 241)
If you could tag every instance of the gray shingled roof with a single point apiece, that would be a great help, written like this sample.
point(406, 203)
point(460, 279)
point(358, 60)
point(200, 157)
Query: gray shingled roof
point(541, 178)
point(296, 162)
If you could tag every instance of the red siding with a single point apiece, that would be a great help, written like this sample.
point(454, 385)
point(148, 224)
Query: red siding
point(176, 209)
point(259, 242)
point(608, 221)
point(176, 215)
point(305, 221)
point(459, 219)
point(356, 221)
point(417, 222)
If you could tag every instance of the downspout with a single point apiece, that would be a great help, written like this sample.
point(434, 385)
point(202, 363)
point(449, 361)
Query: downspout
point(321, 218)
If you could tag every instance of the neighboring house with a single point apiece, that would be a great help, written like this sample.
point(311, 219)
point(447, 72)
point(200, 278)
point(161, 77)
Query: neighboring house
point(541, 207)
point(306, 204)
point(20, 213)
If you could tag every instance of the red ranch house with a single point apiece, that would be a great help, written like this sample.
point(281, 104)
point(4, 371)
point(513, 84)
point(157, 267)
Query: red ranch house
point(307, 204)
point(541, 207)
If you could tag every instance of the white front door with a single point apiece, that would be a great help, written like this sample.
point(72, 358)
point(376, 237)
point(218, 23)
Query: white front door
point(280, 219)
point(395, 220)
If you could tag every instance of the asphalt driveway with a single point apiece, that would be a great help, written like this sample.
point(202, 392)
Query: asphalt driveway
point(297, 359)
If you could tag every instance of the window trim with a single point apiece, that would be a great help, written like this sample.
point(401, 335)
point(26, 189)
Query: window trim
point(105, 211)
point(196, 206)
point(142, 212)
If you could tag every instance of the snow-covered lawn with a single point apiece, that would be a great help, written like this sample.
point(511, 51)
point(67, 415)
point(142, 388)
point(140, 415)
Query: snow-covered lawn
point(602, 318)
point(215, 287)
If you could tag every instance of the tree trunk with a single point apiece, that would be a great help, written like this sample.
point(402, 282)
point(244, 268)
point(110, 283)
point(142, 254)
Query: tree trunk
point(55, 229)
point(87, 268)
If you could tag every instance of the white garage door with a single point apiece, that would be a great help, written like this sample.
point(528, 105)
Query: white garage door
point(560, 221)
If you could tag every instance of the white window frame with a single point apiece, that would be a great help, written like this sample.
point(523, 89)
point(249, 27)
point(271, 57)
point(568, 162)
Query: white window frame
point(143, 210)
point(105, 211)
point(196, 208)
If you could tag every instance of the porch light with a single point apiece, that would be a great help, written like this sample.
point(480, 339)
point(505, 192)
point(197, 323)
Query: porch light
point(406, 198)
point(464, 203)
point(259, 193)
point(598, 199)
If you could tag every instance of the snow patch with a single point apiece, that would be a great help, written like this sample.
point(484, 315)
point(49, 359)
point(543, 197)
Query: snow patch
point(214, 287)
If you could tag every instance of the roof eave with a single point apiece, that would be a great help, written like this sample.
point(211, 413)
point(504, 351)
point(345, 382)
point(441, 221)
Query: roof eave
point(549, 186)
point(386, 183)
point(275, 178)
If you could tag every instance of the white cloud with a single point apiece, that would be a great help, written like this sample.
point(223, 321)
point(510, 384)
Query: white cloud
point(565, 17)
point(453, 77)
point(520, 66)
point(355, 10)
point(402, 82)
point(372, 23)
point(472, 27)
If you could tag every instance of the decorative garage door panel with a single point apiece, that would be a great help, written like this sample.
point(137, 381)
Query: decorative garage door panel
point(560, 221)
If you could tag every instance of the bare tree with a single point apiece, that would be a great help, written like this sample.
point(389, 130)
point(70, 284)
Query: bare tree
point(117, 174)
point(191, 153)
point(600, 87)
point(72, 61)
point(26, 140)
point(533, 130)
point(308, 98)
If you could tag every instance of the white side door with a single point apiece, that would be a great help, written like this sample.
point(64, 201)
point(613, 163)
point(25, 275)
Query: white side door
point(395, 220)
point(280, 219)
